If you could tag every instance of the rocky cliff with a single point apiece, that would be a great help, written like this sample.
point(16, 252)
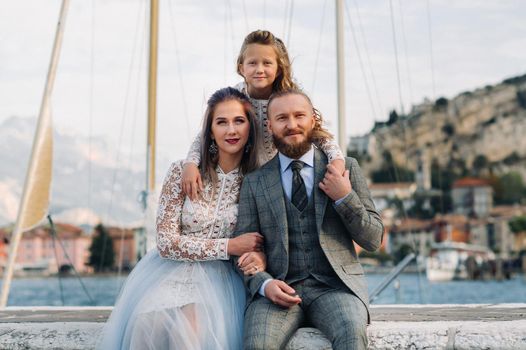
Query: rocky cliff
point(485, 127)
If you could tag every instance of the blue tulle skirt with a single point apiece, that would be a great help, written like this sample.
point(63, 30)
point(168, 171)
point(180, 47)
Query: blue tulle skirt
point(166, 304)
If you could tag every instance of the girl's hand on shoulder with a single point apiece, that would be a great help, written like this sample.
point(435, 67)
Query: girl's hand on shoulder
point(338, 165)
point(252, 262)
point(247, 242)
point(191, 182)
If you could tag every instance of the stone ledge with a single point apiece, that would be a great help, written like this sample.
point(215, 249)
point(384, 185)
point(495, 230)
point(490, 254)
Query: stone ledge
point(501, 326)
point(431, 335)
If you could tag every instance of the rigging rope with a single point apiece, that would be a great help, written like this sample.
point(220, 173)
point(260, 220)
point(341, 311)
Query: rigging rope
point(404, 42)
point(66, 255)
point(395, 46)
point(291, 16)
point(90, 104)
point(366, 83)
point(315, 74)
point(433, 90)
point(61, 288)
point(179, 70)
point(225, 51)
point(131, 147)
point(245, 15)
point(232, 31)
point(429, 31)
point(123, 118)
point(264, 13)
point(368, 59)
point(403, 121)
point(285, 17)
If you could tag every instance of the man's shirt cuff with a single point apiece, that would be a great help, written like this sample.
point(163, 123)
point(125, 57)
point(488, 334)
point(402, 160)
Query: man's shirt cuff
point(341, 199)
point(261, 290)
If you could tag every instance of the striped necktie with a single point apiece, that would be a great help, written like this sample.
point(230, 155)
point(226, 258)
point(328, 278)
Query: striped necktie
point(299, 192)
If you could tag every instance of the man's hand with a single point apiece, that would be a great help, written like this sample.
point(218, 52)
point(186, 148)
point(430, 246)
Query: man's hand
point(335, 184)
point(281, 294)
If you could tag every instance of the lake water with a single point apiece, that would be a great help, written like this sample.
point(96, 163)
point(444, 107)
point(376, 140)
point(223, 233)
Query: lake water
point(413, 289)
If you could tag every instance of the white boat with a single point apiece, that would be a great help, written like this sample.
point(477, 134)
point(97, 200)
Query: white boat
point(448, 260)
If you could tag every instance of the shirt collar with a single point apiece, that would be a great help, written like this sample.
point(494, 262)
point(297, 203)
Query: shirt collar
point(307, 158)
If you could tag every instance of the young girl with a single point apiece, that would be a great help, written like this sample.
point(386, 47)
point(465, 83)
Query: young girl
point(264, 64)
point(186, 294)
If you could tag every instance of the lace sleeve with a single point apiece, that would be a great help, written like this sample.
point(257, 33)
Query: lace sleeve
point(194, 154)
point(171, 241)
point(331, 149)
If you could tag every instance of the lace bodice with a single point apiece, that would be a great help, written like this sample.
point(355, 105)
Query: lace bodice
point(267, 148)
point(197, 230)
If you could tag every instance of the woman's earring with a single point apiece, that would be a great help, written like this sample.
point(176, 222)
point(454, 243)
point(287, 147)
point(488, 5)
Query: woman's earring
point(247, 148)
point(213, 148)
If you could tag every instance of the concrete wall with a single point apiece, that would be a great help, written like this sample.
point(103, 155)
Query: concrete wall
point(394, 327)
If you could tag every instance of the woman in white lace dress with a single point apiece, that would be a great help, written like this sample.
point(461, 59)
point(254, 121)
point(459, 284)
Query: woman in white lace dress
point(186, 294)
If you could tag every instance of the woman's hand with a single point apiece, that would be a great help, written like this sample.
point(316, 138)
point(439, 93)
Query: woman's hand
point(191, 181)
point(252, 263)
point(248, 242)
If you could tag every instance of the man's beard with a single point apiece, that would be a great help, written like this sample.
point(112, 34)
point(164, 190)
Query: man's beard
point(294, 151)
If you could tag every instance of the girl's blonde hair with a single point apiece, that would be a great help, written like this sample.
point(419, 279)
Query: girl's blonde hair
point(284, 79)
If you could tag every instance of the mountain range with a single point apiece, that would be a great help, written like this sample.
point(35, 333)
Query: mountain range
point(91, 182)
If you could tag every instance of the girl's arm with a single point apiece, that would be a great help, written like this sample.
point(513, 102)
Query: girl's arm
point(194, 154)
point(172, 244)
point(333, 153)
point(191, 178)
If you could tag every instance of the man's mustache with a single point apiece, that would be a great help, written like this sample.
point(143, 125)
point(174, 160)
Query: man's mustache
point(293, 131)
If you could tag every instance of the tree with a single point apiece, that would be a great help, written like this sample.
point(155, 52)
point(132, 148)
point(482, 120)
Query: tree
point(419, 209)
point(509, 189)
point(382, 257)
point(440, 104)
point(402, 252)
point(102, 255)
point(480, 163)
point(448, 129)
point(393, 117)
point(391, 172)
point(442, 178)
point(512, 158)
point(517, 224)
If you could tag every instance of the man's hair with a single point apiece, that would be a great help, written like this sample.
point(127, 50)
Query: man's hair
point(320, 135)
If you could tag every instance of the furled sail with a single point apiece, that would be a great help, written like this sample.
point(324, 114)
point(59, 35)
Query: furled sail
point(35, 196)
point(38, 179)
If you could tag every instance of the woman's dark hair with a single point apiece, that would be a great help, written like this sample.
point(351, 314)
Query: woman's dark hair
point(249, 161)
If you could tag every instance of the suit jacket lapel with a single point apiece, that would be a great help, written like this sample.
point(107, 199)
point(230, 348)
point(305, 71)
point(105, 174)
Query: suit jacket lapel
point(275, 197)
point(320, 198)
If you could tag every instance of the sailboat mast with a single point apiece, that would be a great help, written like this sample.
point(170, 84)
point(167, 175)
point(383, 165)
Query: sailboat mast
point(340, 76)
point(35, 196)
point(152, 97)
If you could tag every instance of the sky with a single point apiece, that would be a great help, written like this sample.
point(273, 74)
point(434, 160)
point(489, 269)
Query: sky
point(442, 49)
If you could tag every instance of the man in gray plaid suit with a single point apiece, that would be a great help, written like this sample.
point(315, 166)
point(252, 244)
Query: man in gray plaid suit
point(310, 215)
